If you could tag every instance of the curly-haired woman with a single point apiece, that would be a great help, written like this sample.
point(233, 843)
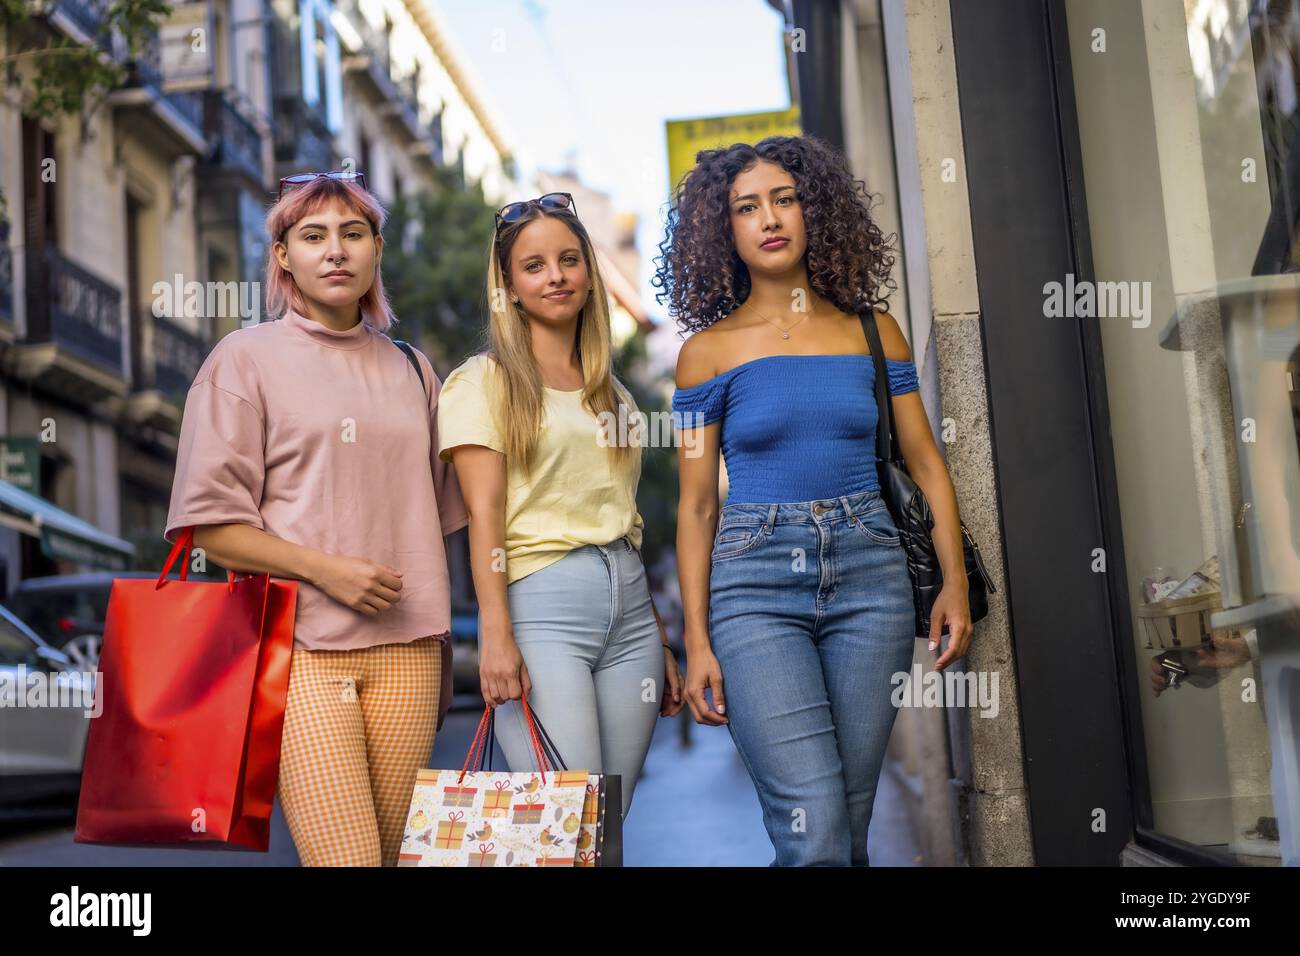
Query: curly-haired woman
point(797, 590)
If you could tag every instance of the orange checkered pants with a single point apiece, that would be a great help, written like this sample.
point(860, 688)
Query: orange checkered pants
point(358, 725)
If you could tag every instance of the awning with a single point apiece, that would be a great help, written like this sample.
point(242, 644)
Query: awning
point(62, 535)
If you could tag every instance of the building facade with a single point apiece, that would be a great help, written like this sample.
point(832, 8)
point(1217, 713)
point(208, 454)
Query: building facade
point(1097, 218)
point(132, 234)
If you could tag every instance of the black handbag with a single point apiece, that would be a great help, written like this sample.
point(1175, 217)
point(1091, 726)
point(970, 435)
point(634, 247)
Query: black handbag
point(911, 511)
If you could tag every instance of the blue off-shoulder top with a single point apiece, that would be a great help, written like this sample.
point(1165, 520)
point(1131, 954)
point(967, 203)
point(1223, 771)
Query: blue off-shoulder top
point(795, 428)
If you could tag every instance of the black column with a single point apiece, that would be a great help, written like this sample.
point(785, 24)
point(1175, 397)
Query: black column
point(1048, 415)
point(820, 97)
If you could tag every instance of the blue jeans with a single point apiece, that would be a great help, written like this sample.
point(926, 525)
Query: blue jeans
point(587, 633)
point(810, 616)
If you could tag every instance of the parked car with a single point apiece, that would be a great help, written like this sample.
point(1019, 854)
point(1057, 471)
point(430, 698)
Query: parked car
point(41, 748)
point(68, 610)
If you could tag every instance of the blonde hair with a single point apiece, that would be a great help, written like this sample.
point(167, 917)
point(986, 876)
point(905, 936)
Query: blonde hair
point(518, 399)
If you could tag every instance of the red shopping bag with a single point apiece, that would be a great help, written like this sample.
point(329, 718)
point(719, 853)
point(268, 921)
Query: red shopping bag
point(193, 680)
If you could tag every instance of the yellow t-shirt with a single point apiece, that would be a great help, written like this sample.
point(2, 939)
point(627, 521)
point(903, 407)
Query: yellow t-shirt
point(576, 493)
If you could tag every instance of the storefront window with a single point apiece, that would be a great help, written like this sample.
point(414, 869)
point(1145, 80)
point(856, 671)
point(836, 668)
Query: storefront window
point(1187, 114)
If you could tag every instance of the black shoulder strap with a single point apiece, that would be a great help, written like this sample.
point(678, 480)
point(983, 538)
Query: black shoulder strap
point(886, 440)
point(415, 362)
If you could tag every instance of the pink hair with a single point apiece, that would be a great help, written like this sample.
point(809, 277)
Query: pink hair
point(282, 293)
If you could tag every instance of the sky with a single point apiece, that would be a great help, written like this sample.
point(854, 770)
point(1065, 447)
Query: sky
point(591, 84)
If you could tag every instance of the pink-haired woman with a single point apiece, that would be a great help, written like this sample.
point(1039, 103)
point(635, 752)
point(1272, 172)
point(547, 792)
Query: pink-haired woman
point(308, 451)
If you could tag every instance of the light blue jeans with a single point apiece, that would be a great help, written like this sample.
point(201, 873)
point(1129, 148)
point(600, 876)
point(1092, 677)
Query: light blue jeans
point(587, 633)
point(810, 616)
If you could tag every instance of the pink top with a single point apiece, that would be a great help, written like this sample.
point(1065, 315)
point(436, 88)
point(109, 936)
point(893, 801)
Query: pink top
point(325, 439)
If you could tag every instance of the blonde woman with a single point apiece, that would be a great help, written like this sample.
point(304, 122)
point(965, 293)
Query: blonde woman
point(565, 615)
point(307, 451)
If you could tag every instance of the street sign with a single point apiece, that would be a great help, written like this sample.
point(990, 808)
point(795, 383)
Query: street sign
point(688, 136)
point(20, 462)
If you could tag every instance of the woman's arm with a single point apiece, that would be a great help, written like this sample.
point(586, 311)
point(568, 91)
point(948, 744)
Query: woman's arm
point(481, 473)
point(697, 523)
point(354, 582)
point(241, 547)
point(670, 703)
point(926, 466)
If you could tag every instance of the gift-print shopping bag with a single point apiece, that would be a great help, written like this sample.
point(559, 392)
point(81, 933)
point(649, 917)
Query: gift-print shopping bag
point(475, 817)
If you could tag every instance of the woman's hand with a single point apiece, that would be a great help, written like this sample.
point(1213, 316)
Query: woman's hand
point(670, 704)
point(502, 673)
point(704, 673)
point(672, 701)
point(357, 583)
point(953, 606)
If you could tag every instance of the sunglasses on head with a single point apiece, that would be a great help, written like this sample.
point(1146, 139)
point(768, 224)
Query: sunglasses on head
point(513, 211)
point(292, 182)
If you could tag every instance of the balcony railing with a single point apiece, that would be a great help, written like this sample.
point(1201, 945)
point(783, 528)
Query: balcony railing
point(375, 40)
point(177, 355)
point(408, 88)
point(87, 15)
point(238, 143)
point(76, 310)
point(374, 62)
point(188, 103)
point(145, 66)
point(144, 69)
point(435, 131)
point(302, 139)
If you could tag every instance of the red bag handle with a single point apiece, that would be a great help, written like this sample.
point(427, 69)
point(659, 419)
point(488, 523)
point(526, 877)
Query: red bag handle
point(481, 735)
point(185, 542)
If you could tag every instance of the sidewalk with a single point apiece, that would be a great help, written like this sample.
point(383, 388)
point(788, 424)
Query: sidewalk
point(694, 806)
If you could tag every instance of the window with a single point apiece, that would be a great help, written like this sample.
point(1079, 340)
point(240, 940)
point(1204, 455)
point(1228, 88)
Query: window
point(15, 647)
point(1191, 207)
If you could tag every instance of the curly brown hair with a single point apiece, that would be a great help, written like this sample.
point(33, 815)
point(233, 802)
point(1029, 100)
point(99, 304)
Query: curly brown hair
point(703, 277)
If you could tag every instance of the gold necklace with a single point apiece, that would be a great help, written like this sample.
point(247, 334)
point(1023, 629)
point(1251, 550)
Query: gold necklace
point(785, 333)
